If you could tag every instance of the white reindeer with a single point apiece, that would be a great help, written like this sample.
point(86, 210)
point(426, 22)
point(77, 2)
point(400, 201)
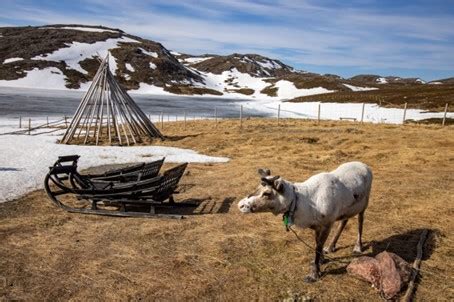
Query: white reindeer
point(316, 203)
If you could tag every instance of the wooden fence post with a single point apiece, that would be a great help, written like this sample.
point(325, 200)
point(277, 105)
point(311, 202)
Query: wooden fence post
point(162, 120)
point(47, 121)
point(278, 113)
point(318, 114)
point(20, 122)
point(241, 116)
point(66, 122)
point(444, 115)
point(362, 113)
point(29, 125)
point(405, 113)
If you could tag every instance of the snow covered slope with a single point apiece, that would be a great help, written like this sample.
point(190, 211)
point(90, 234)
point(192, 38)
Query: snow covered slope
point(67, 57)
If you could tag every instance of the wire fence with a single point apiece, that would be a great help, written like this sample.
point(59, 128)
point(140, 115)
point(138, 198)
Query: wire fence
point(355, 113)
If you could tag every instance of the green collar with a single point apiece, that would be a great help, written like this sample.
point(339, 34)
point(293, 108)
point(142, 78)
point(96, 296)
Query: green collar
point(288, 217)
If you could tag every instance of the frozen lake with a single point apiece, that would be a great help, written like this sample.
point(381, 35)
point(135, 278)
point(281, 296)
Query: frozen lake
point(16, 102)
point(36, 103)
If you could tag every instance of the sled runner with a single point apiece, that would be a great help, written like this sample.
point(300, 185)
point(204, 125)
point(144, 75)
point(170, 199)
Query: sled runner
point(68, 189)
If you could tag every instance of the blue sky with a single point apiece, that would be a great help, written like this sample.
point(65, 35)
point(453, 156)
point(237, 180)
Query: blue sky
point(405, 38)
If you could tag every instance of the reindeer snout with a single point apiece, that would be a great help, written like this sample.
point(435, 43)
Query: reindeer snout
point(244, 205)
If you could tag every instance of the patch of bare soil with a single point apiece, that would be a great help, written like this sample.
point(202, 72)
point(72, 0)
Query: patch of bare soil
point(218, 253)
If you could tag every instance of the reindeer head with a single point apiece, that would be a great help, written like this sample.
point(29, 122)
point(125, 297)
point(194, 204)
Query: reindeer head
point(270, 195)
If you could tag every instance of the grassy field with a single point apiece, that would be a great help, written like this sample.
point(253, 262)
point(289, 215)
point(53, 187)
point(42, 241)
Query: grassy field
point(218, 253)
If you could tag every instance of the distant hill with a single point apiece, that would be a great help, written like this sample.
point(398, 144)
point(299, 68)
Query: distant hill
point(67, 57)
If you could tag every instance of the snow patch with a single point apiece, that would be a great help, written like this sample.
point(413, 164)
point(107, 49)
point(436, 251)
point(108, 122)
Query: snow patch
point(381, 81)
point(25, 159)
point(51, 77)
point(152, 65)
point(77, 51)
point(288, 90)
point(150, 89)
point(129, 67)
point(435, 83)
point(175, 53)
point(90, 29)
point(357, 88)
point(10, 60)
point(149, 53)
point(269, 64)
point(195, 60)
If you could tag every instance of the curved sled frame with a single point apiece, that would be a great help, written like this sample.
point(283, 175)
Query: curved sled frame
point(152, 192)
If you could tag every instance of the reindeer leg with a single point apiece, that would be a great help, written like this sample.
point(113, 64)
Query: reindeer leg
point(332, 246)
point(321, 234)
point(359, 244)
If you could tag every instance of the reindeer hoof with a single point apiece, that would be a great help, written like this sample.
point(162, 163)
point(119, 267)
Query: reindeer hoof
point(357, 249)
point(329, 249)
point(311, 278)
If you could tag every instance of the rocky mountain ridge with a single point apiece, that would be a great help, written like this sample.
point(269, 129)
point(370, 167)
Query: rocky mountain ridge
point(67, 57)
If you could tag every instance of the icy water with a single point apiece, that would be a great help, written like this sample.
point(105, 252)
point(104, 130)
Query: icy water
point(16, 102)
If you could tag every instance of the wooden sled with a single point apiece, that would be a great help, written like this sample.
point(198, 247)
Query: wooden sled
point(113, 198)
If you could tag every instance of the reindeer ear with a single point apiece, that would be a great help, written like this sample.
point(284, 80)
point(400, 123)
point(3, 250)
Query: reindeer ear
point(278, 185)
point(264, 172)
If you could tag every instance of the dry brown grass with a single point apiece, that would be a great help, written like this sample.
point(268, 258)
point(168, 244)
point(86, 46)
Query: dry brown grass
point(49, 254)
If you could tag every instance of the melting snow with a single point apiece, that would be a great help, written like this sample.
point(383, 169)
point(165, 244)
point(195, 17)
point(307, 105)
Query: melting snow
point(175, 53)
point(435, 83)
point(195, 60)
point(269, 64)
point(150, 53)
point(129, 67)
point(288, 90)
point(77, 51)
point(10, 60)
point(25, 159)
point(150, 89)
point(335, 111)
point(152, 65)
point(50, 77)
point(357, 88)
point(381, 81)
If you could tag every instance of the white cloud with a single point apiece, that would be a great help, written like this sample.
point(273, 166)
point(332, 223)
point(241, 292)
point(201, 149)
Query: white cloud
point(310, 33)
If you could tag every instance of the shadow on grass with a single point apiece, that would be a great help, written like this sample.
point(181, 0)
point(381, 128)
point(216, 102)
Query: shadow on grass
point(403, 245)
point(179, 137)
point(200, 206)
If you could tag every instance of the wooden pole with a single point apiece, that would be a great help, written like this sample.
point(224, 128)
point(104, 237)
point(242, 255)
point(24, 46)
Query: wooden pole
point(162, 120)
point(278, 113)
point(66, 122)
point(47, 121)
point(29, 125)
point(241, 116)
point(405, 113)
point(185, 119)
point(415, 269)
point(444, 115)
point(362, 113)
point(318, 113)
point(20, 122)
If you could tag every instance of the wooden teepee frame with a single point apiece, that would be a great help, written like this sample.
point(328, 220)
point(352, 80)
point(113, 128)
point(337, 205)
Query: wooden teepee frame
point(108, 113)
